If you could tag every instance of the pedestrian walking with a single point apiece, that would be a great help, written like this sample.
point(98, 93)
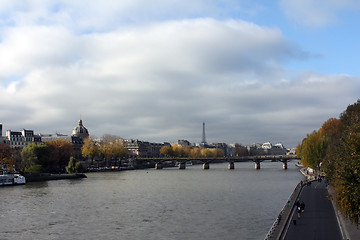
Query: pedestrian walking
point(302, 206)
point(299, 211)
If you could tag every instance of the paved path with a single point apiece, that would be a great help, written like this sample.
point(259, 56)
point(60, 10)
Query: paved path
point(318, 221)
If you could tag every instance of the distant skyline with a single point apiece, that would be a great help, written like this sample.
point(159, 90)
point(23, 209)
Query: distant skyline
point(253, 71)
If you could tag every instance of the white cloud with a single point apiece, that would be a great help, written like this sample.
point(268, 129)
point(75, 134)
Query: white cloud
point(316, 13)
point(160, 80)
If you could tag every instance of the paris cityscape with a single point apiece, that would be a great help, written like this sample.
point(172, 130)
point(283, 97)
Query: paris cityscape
point(173, 120)
point(134, 147)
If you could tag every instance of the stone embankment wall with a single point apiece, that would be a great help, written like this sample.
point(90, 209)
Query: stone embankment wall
point(277, 229)
point(47, 177)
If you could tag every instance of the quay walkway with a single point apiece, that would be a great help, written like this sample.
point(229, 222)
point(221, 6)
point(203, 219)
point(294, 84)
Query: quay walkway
point(320, 219)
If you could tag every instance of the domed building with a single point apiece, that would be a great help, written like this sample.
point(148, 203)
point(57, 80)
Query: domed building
point(80, 131)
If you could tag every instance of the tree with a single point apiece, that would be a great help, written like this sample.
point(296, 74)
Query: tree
point(112, 147)
point(351, 115)
point(74, 166)
point(195, 152)
point(241, 150)
point(90, 149)
point(219, 152)
point(207, 153)
point(178, 151)
point(313, 149)
point(7, 160)
point(341, 159)
point(35, 158)
point(333, 129)
point(347, 178)
point(110, 138)
point(167, 151)
point(60, 153)
point(345, 172)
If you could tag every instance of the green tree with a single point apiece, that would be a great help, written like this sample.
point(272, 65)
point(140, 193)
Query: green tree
point(74, 166)
point(35, 158)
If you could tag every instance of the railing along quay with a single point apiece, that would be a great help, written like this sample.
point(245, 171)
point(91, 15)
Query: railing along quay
point(277, 230)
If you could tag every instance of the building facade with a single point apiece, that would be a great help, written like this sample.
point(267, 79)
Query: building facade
point(79, 134)
point(136, 148)
point(21, 139)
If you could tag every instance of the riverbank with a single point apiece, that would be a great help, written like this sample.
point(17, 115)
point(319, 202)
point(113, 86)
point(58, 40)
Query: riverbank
point(47, 177)
point(277, 229)
point(349, 231)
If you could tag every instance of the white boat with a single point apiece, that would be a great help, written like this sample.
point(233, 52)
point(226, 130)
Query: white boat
point(12, 179)
point(189, 163)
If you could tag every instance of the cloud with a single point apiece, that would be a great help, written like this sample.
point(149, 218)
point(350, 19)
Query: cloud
point(316, 13)
point(159, 80)
point(101, 16)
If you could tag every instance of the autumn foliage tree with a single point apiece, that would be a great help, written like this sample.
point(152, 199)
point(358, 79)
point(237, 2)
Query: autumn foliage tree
point(346, 179)
point(241, 150)
point(112, 147)
point(60, 153)
point(337, 146)
point(90, 149)
point(7, 160)
point(167, 151)
point(313, 149)
point(194, 152)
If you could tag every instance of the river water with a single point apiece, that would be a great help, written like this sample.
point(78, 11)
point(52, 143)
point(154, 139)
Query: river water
point(151, 204)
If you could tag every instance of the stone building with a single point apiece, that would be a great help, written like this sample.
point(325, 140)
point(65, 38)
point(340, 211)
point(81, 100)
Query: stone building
point(21, 139)
point(136, 148)
point(80, 131)
point(79, 134)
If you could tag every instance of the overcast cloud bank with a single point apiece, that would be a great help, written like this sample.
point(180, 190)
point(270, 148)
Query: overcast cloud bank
point(159, 80)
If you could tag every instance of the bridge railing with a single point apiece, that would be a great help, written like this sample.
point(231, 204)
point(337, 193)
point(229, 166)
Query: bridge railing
point(240, 158)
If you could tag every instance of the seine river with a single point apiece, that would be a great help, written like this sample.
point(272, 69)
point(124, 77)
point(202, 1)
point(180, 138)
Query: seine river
point(151, 204)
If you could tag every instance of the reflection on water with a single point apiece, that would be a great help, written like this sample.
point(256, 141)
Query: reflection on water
point(151, 204)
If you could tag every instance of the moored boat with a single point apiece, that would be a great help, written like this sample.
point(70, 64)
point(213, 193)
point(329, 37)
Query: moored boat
point(12, 179)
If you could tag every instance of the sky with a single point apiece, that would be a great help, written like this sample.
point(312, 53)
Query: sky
point(253, 71)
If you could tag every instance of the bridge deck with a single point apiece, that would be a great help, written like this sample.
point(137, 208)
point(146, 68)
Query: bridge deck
point(226, 159)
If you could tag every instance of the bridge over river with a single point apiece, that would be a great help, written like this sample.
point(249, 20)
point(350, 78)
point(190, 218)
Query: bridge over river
point(182, 162)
